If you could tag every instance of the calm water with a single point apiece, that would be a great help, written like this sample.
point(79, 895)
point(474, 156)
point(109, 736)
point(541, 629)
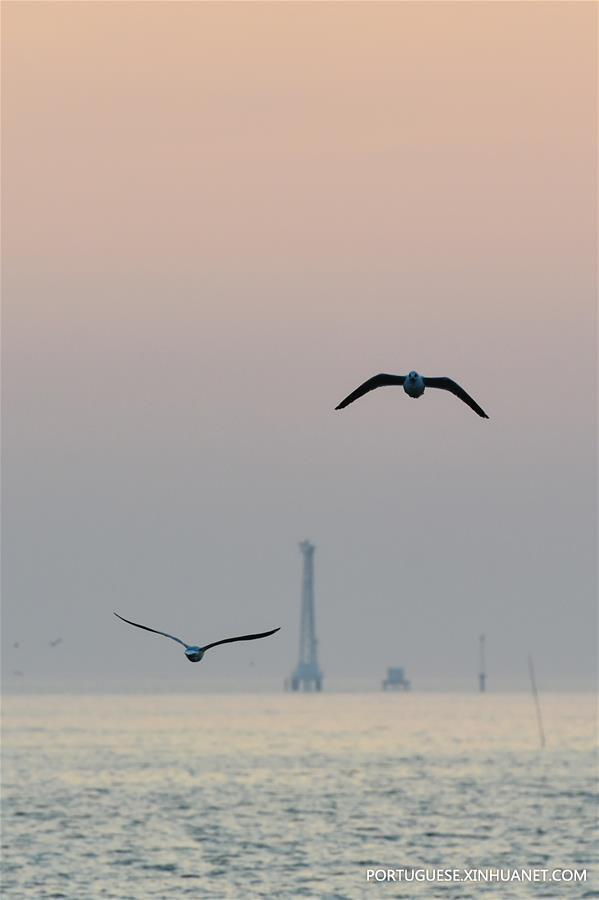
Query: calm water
point(256, 796)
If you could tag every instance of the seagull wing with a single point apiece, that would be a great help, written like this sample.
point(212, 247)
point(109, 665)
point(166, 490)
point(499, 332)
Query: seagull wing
point(244, 637)
point(446, 384)
point(375, 382)
point(145, 628)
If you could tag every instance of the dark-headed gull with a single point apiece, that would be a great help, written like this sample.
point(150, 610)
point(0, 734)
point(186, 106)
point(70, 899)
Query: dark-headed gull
point(414, 386)
point(193, 652)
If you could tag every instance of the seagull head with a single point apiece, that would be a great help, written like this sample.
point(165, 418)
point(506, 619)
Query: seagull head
point(194, 654)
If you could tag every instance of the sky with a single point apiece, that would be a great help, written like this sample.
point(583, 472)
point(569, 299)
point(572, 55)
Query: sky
point(219, 219)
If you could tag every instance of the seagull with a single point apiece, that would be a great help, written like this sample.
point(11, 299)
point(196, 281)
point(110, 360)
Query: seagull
point(414, 386)
point(193, 652)
point(55, 642)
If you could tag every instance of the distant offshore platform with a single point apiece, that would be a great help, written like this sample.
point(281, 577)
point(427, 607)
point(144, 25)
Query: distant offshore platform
point(396, 679)
point(307, 675)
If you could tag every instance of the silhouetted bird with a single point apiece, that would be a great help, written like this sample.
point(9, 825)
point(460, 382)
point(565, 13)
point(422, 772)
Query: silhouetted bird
point(193, 652)
point(414, 385)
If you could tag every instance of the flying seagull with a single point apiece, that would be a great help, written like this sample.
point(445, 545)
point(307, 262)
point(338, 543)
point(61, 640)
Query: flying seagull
point(55, 642)
point(414, 385)
point(194, 653)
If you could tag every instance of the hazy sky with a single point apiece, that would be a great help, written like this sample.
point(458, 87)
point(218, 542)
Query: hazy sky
point(218, 220)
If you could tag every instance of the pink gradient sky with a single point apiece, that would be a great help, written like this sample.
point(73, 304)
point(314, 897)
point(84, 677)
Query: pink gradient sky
point(220, 218)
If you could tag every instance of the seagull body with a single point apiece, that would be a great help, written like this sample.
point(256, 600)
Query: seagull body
point(414, 385)
point(193, 652)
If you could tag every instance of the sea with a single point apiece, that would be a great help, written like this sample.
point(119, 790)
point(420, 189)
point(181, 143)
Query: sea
point(299, 795)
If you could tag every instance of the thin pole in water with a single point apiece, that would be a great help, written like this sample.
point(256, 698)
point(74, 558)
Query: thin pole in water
point(535, 695)
point(482, 675)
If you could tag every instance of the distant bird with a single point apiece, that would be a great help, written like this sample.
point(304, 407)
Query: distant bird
point(16, 644)
point(414, 385)
point(18, 672)
point(193, 652)
point(56, 642)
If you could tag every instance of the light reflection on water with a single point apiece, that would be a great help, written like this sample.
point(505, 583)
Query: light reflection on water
point(256, 796)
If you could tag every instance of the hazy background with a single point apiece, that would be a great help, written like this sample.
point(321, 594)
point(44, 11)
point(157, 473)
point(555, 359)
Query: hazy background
point(218, 220)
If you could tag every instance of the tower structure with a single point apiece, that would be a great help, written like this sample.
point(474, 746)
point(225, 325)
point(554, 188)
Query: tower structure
point(307, 675)
point(482, 675)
